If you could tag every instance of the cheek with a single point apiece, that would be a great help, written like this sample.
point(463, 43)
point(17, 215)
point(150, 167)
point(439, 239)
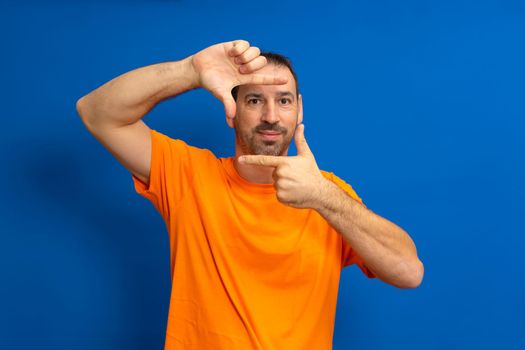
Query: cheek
point(247, 121)
point(242, 128)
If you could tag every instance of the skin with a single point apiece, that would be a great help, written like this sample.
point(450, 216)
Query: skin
point(265, 108)
point(385, 248)
point(113, 113)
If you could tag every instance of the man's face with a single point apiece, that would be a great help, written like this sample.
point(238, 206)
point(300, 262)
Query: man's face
point(267, 115)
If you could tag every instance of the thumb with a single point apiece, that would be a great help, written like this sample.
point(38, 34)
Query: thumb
point(230, 107)
point(300, 141)
point(229, 103)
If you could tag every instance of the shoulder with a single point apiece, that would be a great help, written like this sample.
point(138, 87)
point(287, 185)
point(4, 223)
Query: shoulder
point(342, 184)
point(164, 143)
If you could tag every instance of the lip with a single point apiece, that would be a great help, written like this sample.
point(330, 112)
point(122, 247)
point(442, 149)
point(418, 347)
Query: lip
point(269, 135)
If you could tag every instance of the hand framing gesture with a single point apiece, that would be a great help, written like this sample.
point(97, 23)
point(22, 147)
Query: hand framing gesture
point(297, 179)
point(223, 66)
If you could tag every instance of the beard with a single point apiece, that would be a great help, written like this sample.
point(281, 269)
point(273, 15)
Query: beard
point(250, 141)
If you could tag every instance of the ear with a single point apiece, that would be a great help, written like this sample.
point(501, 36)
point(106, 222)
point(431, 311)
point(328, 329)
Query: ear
point(300, 111)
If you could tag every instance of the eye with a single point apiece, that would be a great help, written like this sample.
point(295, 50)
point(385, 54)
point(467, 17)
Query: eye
point(285, 101)
point(253, 101)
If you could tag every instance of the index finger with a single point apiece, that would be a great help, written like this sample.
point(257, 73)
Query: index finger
point(262, 160)
point(264, 79)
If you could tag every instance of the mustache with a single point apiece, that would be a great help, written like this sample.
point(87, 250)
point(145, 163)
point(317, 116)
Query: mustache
point(270, 127)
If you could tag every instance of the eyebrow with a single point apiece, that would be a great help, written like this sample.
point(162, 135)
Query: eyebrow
point(279, 93)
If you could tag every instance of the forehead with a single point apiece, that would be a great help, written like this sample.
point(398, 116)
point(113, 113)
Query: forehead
point(270, 89)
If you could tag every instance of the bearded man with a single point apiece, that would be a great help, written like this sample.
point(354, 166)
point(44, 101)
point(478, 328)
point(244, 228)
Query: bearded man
point(257, 240)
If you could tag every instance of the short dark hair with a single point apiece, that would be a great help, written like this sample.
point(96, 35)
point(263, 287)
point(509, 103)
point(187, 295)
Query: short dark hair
point(279, 61)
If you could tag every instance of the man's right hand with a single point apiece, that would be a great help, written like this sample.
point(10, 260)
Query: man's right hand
point(223, 66)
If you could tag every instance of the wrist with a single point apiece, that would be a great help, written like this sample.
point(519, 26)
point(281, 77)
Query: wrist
point(322, 193)
point(191, 73)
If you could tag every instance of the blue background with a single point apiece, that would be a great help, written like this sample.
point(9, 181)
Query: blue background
point(419, 105)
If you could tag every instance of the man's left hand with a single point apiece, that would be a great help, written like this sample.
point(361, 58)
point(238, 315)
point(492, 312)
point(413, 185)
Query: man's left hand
point(297, 179)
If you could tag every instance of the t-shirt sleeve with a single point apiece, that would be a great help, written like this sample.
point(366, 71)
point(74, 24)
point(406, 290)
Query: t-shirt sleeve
point(170, 173)
point(348, 255)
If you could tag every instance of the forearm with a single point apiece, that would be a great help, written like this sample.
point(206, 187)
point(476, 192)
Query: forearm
point(127, 98)
point(385, 248)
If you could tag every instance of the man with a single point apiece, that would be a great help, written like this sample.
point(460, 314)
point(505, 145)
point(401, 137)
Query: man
point(257, 240)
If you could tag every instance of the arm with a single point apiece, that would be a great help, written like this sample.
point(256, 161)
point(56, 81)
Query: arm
point(113, 112)
point(385, 248)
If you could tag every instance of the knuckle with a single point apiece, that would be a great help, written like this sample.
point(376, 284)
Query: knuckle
point(248, 66)
point(240, 46)
point(260, 62)
point(243, 45)
point(240, 59)
point(283, 170)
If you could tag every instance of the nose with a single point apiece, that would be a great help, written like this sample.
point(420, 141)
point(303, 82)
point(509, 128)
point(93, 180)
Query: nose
point(270, 113)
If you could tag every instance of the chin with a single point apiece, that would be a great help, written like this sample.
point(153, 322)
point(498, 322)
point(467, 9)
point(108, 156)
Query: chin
point(268, 149)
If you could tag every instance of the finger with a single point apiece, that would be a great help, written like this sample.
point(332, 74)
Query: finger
point(230, 107)
point(300, 141)
point(248, 55)
point(300, 112)
point(263, 79)
point(262, 160)
point(238, 47)
point(229, 103)
point(274, 175)
point(255, 64)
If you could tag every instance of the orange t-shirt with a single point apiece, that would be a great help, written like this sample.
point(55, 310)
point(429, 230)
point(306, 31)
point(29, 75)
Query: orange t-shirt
point(248, 272)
